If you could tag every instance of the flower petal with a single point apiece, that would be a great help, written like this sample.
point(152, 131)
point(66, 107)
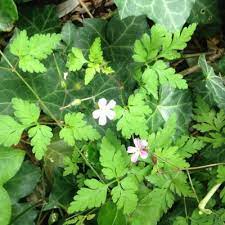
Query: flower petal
point(137, 142)
point(131, 149)
point(102, 103)
point(134, 157)
point(111, 104)
point(110, 114)
point(143, 154)
point(97, 113)
point(102, 120)
point(144, 143)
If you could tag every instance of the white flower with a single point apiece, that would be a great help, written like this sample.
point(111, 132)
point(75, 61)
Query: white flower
point(65, 75)
point(105, 111)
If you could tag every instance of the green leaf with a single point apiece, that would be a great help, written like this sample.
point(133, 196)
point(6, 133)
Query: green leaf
point(75, 60)
point(110, 215)
point(77, 129)
point(5, 207)
point(10, 131)
point(159, 73)
point(205, 12)
point(189, 146)
point(54, 156)
point(26, 112)
point(172, 156)
point(86, 197)
point(62, 191)
point(171, 101)
point(10, 162)
point(213, 83)
point(162, 44)
point(176, 182)
point(117, 36)
point(8, 15)
point(112, 157)
point(24, 182)
point(221, 174)
point(172, 14)
point(31, 51)
point(157, 202)
point(23, 213)
point(124, 195)
point(40, 138)
point(96, 54)
point(179, 220)
point(89, 75)
point(132, 119)
point(40, 19)
point(164, 137)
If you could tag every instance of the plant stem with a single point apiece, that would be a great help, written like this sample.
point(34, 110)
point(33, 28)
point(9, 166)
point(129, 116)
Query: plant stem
point(206, 199)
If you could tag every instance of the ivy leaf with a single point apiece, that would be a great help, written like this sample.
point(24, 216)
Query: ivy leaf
point(213, 83)
point(10, 162)
point(26, 112)
point(31, 51)
point(205, 12)
point(112, 157)
point(77, 129)
point(8, 15)
point(124, 195)
point(46, 22)
point(159, 73)
point(27, 214)
point(5, 207)
point(10, 131)
point(221, 174)
point(157, 202)
point(172, 14)
point(171, 101)
point(86, 197)
point(40, 138)
point(132, 119)
point(75, 60)
point(23, 182)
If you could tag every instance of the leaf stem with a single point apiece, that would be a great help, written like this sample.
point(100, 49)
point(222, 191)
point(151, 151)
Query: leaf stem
point(206, 199)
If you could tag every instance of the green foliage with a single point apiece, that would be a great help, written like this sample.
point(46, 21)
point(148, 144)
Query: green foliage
point(8, 15)
point(28, 114)
point(157, 202)
point(112, 157)
point(40, 138)
point(31, 50)
point(76, 128)
point(162, 44)
point(172, 14)
point(86, 197)
point(95, 64)
point(70, 164)
point(210, 123)
point(132, 118)
point(5, 207)
point(110, 215)
point(124, 195)
point(159, 73)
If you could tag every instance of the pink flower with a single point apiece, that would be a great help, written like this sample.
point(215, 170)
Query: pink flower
point(105, 111)
point(140, 149)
